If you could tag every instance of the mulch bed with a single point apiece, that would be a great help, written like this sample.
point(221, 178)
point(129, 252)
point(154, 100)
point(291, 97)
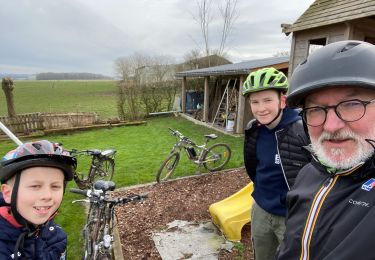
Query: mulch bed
point(182, 199)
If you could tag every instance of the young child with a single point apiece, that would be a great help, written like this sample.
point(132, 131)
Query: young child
point(273, 156)
point(33, 180)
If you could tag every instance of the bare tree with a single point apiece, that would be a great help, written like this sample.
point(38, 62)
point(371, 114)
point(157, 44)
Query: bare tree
point(204, 19)
point(229, 14)
point(7, 85)
point(143, 88)
point(162, 67)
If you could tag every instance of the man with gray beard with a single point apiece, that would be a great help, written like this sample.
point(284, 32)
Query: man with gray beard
point(331, 210)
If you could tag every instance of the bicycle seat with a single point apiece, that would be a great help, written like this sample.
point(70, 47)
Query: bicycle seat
point(108, 152)
point(104, 185)
point(211, 136)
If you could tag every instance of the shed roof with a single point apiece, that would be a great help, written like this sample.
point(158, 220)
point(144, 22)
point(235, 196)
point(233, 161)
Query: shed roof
point(326, 12)
point(241, 68)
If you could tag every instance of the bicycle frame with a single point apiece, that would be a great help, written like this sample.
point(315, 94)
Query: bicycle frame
point(95, 170)
point(213, 157)
point(185, 143)
point(100, 221)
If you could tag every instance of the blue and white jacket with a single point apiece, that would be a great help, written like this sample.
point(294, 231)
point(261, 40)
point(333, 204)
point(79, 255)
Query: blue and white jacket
point(47, 242)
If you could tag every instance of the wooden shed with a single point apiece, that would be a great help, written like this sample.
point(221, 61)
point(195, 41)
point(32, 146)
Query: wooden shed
point(223, 102)
point(327, 21)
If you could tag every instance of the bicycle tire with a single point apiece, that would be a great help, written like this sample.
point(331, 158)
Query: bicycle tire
point(167, 167)
point(104, 169)
point(92, 231)
point(216, 157)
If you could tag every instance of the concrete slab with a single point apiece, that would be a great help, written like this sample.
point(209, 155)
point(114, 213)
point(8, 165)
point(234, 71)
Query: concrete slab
point(186, 240)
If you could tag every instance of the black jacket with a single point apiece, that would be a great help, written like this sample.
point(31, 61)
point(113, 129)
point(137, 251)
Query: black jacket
point(334, 214)
point(290, 142)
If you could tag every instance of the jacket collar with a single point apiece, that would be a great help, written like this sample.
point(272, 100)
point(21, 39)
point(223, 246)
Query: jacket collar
point(5, 213)
point(359, 171)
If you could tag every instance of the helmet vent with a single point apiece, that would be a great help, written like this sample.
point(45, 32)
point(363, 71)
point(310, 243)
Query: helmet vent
point(262, 77)
point(37, 146)
point(252, 79)
point(303, 62)
point(349, 46)
point(272, 78)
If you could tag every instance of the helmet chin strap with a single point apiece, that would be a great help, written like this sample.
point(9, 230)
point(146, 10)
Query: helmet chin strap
point(276, 117)
point(29, 228)
point(13, 205)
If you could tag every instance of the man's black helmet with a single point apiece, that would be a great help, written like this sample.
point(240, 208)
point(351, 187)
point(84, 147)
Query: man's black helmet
point(39, 153)
point(343, 63)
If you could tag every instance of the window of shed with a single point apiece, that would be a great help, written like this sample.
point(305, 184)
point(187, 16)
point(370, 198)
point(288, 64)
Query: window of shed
point(316, 44)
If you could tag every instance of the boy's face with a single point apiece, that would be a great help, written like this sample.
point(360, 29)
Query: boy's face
point(40, 193)
point(265, 105)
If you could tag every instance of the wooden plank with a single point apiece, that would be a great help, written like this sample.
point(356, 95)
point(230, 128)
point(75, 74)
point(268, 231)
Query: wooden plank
point(331, 15)
point(329, 12)
point(334, 19)
point(346, 9)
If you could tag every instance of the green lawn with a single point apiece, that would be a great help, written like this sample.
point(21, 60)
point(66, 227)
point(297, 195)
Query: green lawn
point(63, 96)
point(140, 151)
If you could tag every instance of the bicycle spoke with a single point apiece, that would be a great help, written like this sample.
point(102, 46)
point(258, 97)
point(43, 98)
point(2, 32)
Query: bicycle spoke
point(216, 157)
point(167, 167)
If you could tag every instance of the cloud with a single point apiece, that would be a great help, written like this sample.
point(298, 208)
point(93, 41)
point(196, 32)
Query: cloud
point(88, 35)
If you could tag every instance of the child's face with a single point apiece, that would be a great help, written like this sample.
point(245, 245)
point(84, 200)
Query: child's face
point(40, 193)
point(265, 105)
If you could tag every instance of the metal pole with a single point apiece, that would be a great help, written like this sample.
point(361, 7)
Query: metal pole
point(10, 134)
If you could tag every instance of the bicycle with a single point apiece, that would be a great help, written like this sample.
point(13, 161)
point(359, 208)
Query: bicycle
point(98, 230)
point(213, 158)
point(102, 167)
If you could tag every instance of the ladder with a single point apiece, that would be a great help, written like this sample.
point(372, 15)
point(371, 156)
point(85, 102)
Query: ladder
point(223, 109)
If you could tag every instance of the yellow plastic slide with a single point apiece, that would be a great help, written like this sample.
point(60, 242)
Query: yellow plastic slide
point(232, 213)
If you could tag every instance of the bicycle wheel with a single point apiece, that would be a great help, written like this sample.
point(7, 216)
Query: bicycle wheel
point(91, 232)
point(104, 169)
point(167, 167)
point(216, 157)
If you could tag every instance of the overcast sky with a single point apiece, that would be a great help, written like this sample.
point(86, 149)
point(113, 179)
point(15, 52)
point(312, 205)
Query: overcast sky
point(89, 35)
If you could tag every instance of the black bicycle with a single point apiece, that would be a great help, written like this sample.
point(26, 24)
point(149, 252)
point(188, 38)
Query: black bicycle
point(102, 167)
point(98, 230)
point(213, 158)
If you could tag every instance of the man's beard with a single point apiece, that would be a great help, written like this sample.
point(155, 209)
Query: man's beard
point(361, 152)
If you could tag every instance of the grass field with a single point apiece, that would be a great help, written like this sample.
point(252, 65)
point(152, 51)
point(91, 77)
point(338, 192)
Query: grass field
point(140, 151)
point(63, 96)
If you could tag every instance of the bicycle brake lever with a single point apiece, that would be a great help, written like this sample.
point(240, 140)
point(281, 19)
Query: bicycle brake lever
point(81, 200)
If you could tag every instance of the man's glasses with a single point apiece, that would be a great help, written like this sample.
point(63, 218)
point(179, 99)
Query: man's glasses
point(347, 111)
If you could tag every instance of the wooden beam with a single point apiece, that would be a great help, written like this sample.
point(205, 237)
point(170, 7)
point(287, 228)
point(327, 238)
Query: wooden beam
point(183, 95)
point(206, 99)
point(241, 109)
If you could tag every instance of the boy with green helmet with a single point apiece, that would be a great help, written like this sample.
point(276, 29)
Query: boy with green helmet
point(273, 156)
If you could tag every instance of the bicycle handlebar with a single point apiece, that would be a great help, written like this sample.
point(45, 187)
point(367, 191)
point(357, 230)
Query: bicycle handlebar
point(96, 196)
point(94, 152)
point(181, 136)
point(79, 191)
point(125, 200)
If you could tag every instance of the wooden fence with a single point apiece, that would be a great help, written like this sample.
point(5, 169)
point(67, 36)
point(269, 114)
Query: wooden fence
point(33, 122)
point(25, 123)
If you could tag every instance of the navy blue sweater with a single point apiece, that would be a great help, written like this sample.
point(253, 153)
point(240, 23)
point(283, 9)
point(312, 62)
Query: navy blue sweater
point(270, 187)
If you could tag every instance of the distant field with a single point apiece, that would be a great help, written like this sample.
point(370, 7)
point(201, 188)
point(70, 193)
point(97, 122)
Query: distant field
point(63, 96)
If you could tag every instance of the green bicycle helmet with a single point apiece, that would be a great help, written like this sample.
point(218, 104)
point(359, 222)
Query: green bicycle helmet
point(264, 79)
